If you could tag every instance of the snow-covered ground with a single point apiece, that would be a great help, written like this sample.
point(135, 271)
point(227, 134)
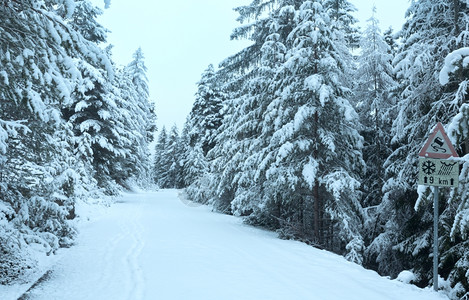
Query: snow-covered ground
point(157, 246)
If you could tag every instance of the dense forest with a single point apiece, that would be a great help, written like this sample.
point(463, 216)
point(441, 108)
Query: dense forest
point(73, 125)
point(312, 131)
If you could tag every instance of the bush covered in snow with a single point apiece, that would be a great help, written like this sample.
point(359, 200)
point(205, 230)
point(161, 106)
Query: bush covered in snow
point(15, 262)
point(406, 277)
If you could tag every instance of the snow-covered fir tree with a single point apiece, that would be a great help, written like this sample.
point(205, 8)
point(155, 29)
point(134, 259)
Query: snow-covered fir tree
point(390, 38)
point(84, 21)
point(99, 126)
point(174, 160)
point(159, 167)
point(193, 158)
point(312, 124)
point(240, 125)
point(341, 13)
point(143, 123)
point(206, 114)
point(168, 159)
point(374, 81)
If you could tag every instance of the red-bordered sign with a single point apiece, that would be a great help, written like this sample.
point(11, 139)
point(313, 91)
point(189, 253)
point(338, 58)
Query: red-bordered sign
point(438, 145)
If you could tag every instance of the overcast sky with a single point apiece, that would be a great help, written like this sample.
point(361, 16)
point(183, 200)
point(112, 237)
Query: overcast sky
point(181, 38)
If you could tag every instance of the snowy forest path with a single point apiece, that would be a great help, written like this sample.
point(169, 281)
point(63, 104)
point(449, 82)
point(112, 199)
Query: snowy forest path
point(157, 246)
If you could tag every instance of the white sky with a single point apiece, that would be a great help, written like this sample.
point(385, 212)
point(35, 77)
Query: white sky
point(181, 38)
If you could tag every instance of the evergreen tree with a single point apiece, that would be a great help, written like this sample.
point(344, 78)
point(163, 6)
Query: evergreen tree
point(99, 127)
point(195, 165)
point(159, 169)
point(244, 80)
point(389, 37)
point(247, 123)
point(171, 161)
point(143, 122)
point(308, 117)
point(84, 21)
point(341, 14)
point(193, 158)
point(374, 81)
point(175, 150)
point(97, 119)
point(206, 115)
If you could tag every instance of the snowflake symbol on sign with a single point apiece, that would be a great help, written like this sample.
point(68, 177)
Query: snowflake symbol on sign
point(428, 167)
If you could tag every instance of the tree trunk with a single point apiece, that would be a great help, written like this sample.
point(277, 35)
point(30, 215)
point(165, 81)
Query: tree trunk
point(456, 17)
point(466, 146)
point(317, 205)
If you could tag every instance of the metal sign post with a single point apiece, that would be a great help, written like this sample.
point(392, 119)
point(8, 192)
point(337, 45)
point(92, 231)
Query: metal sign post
point(436, 191)
point(437, 170)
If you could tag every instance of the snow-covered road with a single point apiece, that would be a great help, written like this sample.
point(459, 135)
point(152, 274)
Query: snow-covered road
point(155, 246)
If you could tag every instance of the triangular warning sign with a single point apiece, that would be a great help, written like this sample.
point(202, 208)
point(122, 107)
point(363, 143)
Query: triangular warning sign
point(438, 145)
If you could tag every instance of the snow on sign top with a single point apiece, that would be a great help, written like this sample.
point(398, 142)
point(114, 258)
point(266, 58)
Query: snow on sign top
point(438, 145)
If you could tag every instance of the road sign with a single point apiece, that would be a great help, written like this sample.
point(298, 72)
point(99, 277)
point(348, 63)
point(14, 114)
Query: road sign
point(438, 145)
point(438, 172)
